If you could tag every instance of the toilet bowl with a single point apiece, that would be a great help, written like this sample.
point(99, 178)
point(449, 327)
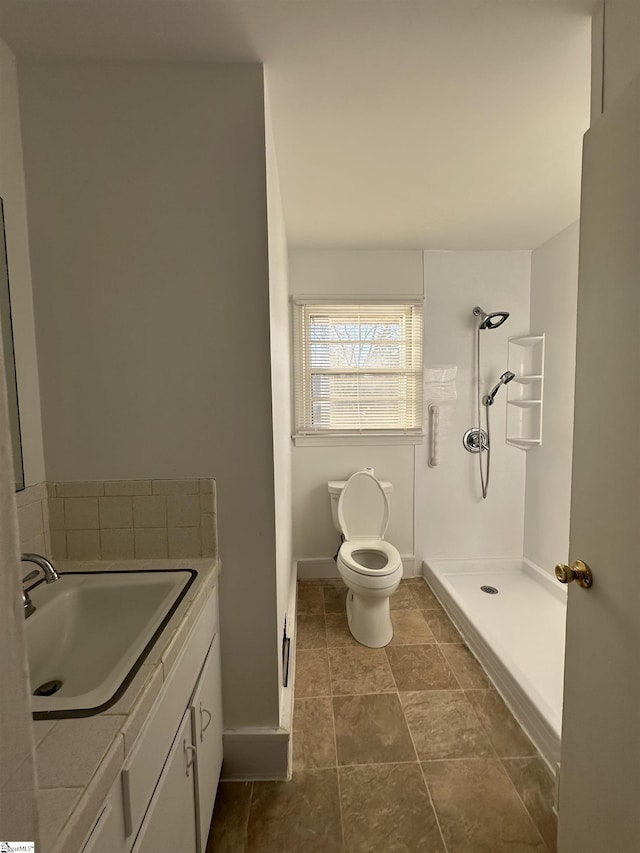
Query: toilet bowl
point(370, 566)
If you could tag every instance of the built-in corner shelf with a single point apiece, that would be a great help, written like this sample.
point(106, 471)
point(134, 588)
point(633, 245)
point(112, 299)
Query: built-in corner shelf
point(525, 392)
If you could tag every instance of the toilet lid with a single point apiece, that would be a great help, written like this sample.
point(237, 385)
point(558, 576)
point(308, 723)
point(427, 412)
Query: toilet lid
point(363, 507)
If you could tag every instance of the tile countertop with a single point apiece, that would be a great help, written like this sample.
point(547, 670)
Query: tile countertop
point(78, 760)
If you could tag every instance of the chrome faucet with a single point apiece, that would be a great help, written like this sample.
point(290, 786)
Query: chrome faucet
point(50, 575)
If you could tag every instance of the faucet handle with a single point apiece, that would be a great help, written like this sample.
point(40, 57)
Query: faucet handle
point(31, 576)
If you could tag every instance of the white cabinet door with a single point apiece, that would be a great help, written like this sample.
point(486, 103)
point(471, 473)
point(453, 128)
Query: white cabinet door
point(206, 717)
point(105, 837)
point(169, 825)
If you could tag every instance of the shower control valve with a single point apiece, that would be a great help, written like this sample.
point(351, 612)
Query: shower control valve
point(475, 440)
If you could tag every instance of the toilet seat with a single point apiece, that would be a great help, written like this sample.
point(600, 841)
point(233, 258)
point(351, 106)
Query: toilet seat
point(390, 555)
point(363, 507)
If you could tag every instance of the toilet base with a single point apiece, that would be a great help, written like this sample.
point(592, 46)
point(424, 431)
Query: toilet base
point(369, 619)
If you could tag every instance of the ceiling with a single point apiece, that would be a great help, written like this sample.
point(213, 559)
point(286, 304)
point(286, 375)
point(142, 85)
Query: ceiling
point(441, 124)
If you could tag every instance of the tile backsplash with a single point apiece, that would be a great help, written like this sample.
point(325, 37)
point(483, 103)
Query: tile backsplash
point(121, 519)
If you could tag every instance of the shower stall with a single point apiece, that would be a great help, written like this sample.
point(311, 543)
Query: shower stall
point(490, 531)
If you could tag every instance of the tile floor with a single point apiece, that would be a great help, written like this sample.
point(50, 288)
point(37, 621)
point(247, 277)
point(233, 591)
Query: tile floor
point(406, 748)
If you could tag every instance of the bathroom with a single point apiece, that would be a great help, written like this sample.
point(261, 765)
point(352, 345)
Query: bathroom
point(123, 353)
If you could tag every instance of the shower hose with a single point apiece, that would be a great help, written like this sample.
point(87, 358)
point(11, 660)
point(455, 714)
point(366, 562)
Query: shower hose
point(484, 480)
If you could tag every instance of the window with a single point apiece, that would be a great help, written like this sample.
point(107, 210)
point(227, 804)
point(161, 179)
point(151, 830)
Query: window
point(358, 368)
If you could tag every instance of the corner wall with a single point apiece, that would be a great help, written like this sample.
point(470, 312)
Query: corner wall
point(148, 225)
point(281, 388)
point(18, 814)
point(554, 294)
point(12, 190)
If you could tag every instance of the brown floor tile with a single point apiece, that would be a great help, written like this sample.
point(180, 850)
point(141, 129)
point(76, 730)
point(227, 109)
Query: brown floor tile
point(338, 633)
point(300, 815)
point(228, 833)
point(310, 598)
point(423, 596)
point(314, 743)
point(409, 628)
point(335, 595)
point(402, 598)
point(535, 784)
point(359, 670)
point(479, 809)
point(443, 628)
point(371, 730)
point(508, 739)
point(386, 807)
point(444, 725)
point(312, 673)
point(311, 632)
point(466, 668)
point(420, 668)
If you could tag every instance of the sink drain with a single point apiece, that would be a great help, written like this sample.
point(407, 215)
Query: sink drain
point(489, 589)
point(48, 688)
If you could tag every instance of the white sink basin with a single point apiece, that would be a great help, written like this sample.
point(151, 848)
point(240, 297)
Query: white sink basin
point(92, 631)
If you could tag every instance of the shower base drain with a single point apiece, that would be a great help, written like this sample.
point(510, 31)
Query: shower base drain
point(491, 590)
point(48, 688)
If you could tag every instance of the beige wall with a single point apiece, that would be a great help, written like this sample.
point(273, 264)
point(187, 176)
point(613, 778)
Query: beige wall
point(18, 818)
point(554, 291)
point(148, 224)
point(621, 41)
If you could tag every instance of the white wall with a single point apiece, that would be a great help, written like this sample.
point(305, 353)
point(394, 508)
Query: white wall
point(451, 519)
point(554, 292)
point(280, 382)
point(18, 816)
point(148, 224)
point(345, 273)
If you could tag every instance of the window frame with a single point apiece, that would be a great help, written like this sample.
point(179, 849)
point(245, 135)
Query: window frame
point(310, 436)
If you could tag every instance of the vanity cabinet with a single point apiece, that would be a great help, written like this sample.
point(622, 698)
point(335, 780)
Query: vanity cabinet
point(162, 801)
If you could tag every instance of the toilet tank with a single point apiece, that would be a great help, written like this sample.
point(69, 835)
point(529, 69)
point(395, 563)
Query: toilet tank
point(335, 488)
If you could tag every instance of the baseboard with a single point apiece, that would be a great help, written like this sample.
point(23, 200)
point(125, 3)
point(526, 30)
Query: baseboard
point(324, 568)
point(255, 753)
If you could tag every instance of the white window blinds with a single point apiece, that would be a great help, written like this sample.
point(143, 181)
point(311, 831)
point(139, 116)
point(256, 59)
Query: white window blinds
point(358, 367)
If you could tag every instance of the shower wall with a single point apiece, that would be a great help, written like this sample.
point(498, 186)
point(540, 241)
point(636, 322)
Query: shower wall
point(554, 294)
point(451, 519)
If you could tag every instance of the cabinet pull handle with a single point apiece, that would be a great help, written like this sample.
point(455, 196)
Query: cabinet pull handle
point(190, 752)
point(203, 728)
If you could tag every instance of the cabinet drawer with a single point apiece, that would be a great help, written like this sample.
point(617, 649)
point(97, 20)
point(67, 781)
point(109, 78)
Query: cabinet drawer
point(144, 765)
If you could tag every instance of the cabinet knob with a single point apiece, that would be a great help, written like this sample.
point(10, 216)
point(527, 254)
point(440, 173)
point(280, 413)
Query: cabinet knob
point(190, 752)
point(206, 725)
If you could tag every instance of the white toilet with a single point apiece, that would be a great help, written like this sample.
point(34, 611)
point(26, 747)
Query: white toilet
point(370, 567)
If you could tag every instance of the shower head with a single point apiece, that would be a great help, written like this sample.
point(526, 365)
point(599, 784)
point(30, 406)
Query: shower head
point(506, 377)
point(490, 321)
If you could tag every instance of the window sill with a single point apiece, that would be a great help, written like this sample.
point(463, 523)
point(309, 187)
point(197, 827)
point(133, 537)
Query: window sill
point(353, 439)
